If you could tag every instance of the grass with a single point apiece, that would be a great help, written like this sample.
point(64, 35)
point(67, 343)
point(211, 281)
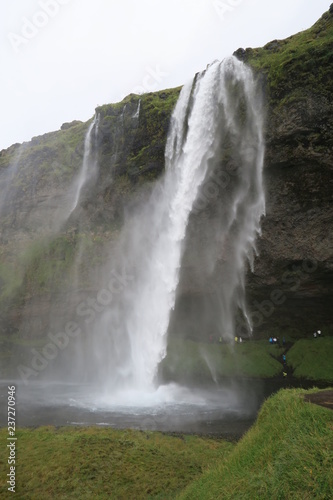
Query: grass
point(105, 463)
point(53, 156)
point(188, 360)
point(286, 455)
point(312, 358)
point(303, 58)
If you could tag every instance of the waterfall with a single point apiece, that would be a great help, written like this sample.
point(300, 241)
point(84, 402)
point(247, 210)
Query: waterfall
point(89, 163)
point(232, 193)
point(8, 190)
point(137, 113)
point(218, 107)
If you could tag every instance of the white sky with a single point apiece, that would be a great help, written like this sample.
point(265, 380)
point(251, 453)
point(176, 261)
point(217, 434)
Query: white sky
point(62, 58)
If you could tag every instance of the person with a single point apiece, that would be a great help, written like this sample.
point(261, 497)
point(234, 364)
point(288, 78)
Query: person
point(284, 358)
point(315, 335)
point(236, 339)
point(319, 333)
point(284, 373)
point(270, 340)
point(240, 339)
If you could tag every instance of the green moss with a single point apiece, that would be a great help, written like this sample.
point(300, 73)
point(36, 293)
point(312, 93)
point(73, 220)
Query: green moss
point(10, 279)
point(48, 160)
point(302, 61)
point(135, 146)
point(44, 266)
point(48, 265)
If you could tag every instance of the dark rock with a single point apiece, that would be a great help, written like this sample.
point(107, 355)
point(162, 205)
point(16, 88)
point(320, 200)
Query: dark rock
point(240, 54)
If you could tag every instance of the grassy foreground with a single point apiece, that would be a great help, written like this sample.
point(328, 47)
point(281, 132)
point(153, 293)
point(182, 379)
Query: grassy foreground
point(287, 454)
point(105, 463)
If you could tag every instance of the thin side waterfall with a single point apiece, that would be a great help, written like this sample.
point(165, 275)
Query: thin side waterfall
point(89, 164)
point(137, 113)
point(129, 339)
point(8, 190)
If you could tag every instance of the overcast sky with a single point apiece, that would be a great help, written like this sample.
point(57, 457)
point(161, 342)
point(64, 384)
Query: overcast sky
point(62, 58)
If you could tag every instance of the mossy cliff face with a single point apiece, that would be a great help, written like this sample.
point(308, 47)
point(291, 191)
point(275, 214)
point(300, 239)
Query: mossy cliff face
point(296, 246)
point(50, 261)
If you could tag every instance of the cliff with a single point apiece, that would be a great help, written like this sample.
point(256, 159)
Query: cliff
point(50, 258)
point(296, 246)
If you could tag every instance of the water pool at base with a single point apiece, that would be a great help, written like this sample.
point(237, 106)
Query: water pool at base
point(226, 410)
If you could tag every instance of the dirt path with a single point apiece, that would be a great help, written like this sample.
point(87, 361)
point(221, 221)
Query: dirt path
point(322, 398)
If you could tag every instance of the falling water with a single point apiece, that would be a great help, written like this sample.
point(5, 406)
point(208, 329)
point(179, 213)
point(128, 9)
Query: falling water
point(233, 195)
point(137, 113)
point(8, 193)
point(129, 339)
point(89, 164)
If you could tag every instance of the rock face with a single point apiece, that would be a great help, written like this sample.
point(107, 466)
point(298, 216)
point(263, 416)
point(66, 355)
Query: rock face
point(296, 246)
point(291, 286)
point(296, 243)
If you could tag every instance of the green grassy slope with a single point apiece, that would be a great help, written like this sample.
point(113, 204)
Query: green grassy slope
point(312, 358)
point(187, 360)
point(287, 454)
point(204, 362)
point(105, 463)
point(298, 63)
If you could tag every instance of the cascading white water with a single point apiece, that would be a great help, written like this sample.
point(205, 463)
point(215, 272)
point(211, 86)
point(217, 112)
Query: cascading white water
point(129, 339)
point(137, 113)
point(231, 234)
point(89, 164)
